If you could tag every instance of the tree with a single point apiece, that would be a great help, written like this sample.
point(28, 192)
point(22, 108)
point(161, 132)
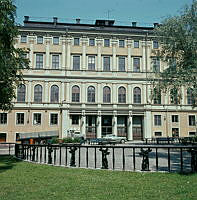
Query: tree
point(12, 60)
point(178, 38)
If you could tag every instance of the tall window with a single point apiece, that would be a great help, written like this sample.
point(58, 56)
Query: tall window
point(106, 63)
point(157, 120)
point(54, 119)
point(121, 63)
point(136, 64)
point(20, 118)
point(91, 42)
point(91, 62)
point(192, 120)
point(157, 96)
point(106, 42)
point(21, 93)
point(155, 44)
point(75, 93)
point(121, 95)
point(39, 39)
point(3, 118)
point(23, 38)
point(156, 64)
point(136, 43)
point(37, 119)
point(55, 40)
point(76, 41)
point(39, 61)
point(121, 43)
point(174, 96)
point(76, 62)
point(106, 95)
point(54, 94)
point(38, 94)
point(175, 118)
point(55, 61)
point(190, 96)
point(136, 95)
point(91, 94)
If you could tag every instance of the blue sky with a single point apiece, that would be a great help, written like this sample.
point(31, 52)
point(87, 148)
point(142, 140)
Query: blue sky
point(145, 12)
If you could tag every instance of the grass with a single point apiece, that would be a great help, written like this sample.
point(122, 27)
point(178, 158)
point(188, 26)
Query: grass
point(21, 180)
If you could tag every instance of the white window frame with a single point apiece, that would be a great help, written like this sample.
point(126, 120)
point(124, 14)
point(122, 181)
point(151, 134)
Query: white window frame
point(7, 120)
point(50, 119)
point(16, 119)
point(33, 119)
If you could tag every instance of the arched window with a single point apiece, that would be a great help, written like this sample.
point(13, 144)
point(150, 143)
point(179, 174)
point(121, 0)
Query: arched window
point(106, 95)
point(38, 94)
point(190, 96)
point(121, 95)
point(75, 93)
point(54, 94)
point(136, 95)
point(21, 93)
point(91, 94)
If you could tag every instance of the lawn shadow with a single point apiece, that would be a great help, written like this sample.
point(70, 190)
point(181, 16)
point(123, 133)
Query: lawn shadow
point(7, 162)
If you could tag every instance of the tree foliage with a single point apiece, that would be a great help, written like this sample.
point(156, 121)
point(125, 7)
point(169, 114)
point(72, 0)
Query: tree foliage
point(178, 38)
point(12, 60)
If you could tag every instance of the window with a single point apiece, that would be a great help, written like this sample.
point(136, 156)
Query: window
point(136, 44)
point(155, 44)
point(75, 93)
point(192, 120)
point(157, 120)
point(39, 61)
point(106, 95)
point(75, 119)
point(20, 118)
point(2, 137)
point(76, 62)
point(54, 119)
point(156, 64)
point(17, 137)
point(190, 96)
point(23, 38)
point(91, 42)
point(76, 41)
point(136, 95)
point(55, 40)
point(175, 132)
point(91, 62)
point(3, 118)
point(38, 94)
point(55, 61)
point(106, 63)
point(91, 94)
point(156, 96)
point(158, 133)
point(174, 96)
point(136, 64)
point(54, 94)
point(121, 95)
point(121, 63)
point(175, 118)
point(39, 39)
point(192, 133)
point(106, 42)
point(37, 118)
point(21, 93)
point(121, 43)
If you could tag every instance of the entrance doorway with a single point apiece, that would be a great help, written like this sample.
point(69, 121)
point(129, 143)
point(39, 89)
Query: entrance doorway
point(122, 126)
point(137, 127)
point(90, 126)
point(106, 125)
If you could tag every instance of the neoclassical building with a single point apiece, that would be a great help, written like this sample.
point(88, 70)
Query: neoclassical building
point(93, 79)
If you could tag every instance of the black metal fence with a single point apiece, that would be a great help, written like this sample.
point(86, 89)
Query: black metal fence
point(171, 158)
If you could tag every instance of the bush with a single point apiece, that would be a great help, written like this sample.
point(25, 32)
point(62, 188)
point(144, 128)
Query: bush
point(71, 140)
point(54, 140)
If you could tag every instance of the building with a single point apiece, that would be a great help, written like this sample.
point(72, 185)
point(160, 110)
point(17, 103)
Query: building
point(93, 79)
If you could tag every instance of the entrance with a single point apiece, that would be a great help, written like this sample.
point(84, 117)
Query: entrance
point(137, 127)
point(2, 137)
point(122, 126)
point(106, 125)
point(90, 126)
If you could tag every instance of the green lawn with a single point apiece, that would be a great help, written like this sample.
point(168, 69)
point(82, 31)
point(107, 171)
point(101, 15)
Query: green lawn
point(22, 180)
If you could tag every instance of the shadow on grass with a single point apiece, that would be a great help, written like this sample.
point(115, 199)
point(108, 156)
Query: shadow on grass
point(7, 162)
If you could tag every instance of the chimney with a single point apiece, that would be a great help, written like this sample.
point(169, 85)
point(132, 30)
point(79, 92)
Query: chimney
point(26, 18)
point(55, 20)
point(134, 24)
point(78, 21)
point(156, 25)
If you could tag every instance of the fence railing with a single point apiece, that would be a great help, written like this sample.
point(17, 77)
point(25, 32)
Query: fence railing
point(7, 148)
point(171, 158)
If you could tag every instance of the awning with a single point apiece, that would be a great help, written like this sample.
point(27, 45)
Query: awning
point(43, 134)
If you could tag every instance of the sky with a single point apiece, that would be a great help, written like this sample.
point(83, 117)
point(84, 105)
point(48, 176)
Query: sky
point(144, 12)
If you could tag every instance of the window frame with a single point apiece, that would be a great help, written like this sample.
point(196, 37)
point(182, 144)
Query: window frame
point(91, 94)
point(56, 40)
point(76, 41)
point(122, 96)
point(106, 63)
point(76, 63)
point(54, 124)
point(54, 94)
point(136, 44)
point(157, 120)
point(23, 39)
point(40, 39)
point(121, 65)
point(121, 43)
point(106, 94)
point(75, 95)
point(55, 59)
point(91, 65)
point(3, 119)
point(91, 42)
point(192, 120)
point(106, 42)
point(137, 95)
point(40, 93)
point(175, 118)
point(39, 62)
point(21, 92)
point(136, 66)
point(17, 123)
point(37, 123)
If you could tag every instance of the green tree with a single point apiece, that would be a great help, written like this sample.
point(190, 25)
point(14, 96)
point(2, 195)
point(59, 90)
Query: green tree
point(12, 60)
point(178, 38)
